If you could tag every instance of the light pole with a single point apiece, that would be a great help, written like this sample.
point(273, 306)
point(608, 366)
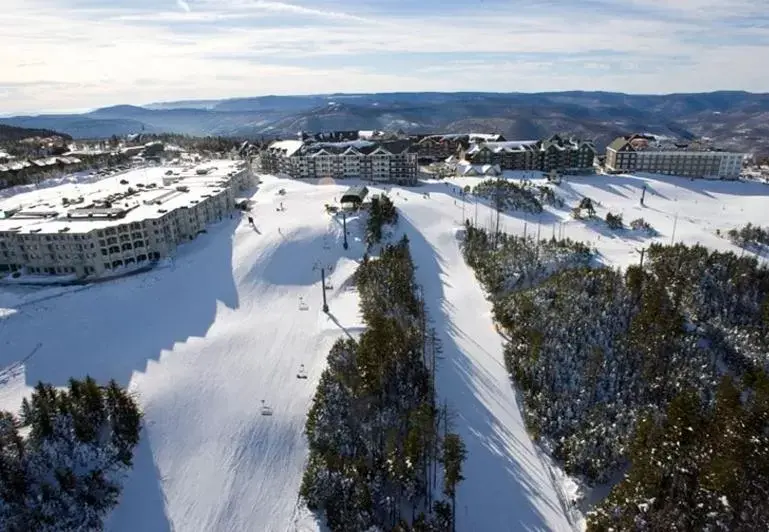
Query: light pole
point(344, 227)
point(323, 281)
point(641, 262)
point(673, 235)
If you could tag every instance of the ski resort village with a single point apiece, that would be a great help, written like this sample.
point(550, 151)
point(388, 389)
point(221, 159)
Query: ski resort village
point(356, 335)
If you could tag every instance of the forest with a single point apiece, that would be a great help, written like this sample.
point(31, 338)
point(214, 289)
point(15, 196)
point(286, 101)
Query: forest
point(506, 195)
point(750, 236)
point(63, 460)
point(379, 450)
point(613, 364)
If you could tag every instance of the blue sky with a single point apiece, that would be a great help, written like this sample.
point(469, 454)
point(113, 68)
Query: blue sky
point(78, 54)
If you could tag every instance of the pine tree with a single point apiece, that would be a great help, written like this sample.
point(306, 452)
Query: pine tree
point(454, 454)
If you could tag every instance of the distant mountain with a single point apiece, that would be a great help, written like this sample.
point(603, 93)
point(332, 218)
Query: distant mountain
point(11, 133)
point(739, 120)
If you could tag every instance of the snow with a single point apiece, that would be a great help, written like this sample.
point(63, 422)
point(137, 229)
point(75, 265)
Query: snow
point(205, 340)
point(291, 146)
point(144, 203)
point(679, 209)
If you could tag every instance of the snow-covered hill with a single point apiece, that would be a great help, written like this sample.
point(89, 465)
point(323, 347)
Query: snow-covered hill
point(206, 339)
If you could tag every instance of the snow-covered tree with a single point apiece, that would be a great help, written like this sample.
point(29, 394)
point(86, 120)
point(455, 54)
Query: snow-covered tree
point(371, 427)
point(67, 473)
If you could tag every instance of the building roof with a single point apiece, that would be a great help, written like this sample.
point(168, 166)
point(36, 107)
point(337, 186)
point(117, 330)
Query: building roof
point(362, 147)
point(506, 146)
point(289, 147)
point(468, 137)
point(109, 202)
point(638, 142)
point(354, 194)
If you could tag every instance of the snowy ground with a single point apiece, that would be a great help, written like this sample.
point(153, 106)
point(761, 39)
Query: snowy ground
point(203, 341)
point(679, 209)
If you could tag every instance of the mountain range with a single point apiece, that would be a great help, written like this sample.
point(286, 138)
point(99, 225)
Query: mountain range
point(14, 134)
point(733, 119)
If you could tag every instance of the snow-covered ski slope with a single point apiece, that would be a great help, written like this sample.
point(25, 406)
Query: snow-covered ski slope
point(203, 342)
point(678, 208)
point(206, 339)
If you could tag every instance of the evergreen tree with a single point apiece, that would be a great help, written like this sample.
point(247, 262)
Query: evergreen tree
point(454, 454)
point(66, 474)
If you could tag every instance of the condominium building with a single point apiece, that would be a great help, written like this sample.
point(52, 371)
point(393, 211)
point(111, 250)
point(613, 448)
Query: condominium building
point(554, 153)
point(439, 147)
point(646, 153)
point(391, 161)
point(121, 222)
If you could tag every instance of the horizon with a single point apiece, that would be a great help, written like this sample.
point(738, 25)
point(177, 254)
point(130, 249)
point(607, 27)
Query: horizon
point(89, 54)
point(173, 101)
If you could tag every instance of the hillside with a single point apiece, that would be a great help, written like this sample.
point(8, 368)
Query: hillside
point(735, 119)
point(224, 330)
point(12, 133)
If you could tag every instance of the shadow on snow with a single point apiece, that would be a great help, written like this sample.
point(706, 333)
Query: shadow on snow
point(494, 452)
point(111, 330)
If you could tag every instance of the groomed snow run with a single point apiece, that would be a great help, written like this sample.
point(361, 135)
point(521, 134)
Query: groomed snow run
point(208, 337)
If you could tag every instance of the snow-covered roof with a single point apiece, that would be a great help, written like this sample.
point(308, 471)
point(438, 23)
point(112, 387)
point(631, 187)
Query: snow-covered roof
point(144, 203)
point(345, 144)
point(464, 168)
point(498, 147)
point(289, 146)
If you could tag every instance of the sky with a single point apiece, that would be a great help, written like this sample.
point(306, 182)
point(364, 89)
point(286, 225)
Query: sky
point(72, 55)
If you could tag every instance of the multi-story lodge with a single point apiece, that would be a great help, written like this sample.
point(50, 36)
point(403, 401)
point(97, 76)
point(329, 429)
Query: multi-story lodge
point(438, 147)
point(388, 161)
point(646, 153)
point(128, 220)
point(555, 153)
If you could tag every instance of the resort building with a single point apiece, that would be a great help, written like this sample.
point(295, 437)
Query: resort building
point(432, 148)
point(646, 153)
point(110, 226)
point(388, 161)
point(555, 153)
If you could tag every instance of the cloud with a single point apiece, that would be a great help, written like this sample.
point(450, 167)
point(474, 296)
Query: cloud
point(136, 51)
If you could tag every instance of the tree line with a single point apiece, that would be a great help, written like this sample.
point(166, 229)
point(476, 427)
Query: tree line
point(378, 445)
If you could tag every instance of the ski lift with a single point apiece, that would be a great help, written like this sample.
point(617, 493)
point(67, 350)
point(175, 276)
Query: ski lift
point(301, 374)
point(265, 410)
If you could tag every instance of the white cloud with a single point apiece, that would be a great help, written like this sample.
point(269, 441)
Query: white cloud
point(184, 6)
point(223, 48)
